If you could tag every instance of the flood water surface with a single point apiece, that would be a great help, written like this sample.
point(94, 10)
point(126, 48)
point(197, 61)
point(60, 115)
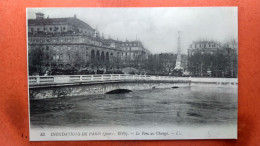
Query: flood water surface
point(179, 106)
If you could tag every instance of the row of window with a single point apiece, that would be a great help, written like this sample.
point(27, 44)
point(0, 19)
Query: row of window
point(62, 48)
point(64, 40)
point(202, 45)
point(129, 54)
point(192, 53)
point(61, 29)
point(130, 44)
point(60, 57)
point(50, 28)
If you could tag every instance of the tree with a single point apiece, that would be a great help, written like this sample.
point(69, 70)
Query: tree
point(161, 64)
point(35, 60)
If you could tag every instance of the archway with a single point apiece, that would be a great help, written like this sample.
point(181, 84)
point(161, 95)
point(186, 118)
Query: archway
point(107, 57)
point(97, 56)
point(102, 56)
point(68, 66)
point(93, 55)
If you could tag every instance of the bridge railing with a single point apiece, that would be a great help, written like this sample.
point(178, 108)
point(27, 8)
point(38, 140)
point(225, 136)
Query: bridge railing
point(103, 77)
point(122, 77)
point(41, 79)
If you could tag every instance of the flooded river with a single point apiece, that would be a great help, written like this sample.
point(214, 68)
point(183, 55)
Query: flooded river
point(180, 106)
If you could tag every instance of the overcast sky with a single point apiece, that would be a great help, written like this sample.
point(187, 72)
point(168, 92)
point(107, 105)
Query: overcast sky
point(156, 27)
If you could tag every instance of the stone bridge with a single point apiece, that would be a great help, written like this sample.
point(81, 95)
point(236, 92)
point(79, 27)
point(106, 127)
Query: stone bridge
point(41, 87)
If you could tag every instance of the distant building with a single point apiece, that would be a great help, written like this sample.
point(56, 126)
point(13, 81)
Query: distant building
point(71, 44)
point(133, 49)
point(210, 58)
point(207, 47)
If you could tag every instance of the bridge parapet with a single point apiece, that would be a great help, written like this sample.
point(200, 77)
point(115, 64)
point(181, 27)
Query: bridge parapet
point(78, 85)
point(103, 77)
point(106, 78)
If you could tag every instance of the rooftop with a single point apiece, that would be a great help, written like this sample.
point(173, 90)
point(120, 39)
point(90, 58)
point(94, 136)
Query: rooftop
point(51, 21)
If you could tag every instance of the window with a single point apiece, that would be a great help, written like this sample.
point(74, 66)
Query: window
point(50, 28)
point(64, 28)
point(60, 57)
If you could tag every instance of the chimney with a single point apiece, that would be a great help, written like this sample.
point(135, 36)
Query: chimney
point(39, 15)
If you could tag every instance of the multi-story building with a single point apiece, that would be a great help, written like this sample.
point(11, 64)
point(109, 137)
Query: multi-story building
point(132, 50)
point(69, 44)
point(207, 47)
point(70, 25)
point(209, 58)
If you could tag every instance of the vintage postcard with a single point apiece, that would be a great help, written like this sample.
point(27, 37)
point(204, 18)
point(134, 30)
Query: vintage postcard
point(132, 73)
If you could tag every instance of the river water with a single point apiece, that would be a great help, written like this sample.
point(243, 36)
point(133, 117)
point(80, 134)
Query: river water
point(180, 106)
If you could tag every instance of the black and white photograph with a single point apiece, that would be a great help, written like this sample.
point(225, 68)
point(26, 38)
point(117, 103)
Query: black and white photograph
point(154, 73)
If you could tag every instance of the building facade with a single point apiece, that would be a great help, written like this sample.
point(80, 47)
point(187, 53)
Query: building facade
point(71, 44)
point(210, 58)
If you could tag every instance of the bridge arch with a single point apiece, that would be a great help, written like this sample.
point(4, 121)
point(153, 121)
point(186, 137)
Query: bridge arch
point(118, 91)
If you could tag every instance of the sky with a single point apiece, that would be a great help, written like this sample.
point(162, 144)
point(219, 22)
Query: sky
point(157, 28)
